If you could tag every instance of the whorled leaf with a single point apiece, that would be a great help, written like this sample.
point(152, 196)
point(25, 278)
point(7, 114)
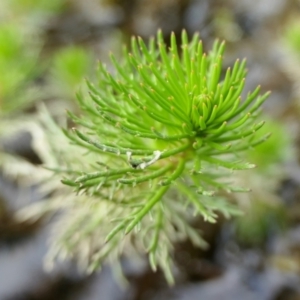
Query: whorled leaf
point(164, 127)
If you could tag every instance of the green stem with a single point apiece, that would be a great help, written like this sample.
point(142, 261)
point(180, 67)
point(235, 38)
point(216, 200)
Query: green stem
point(147, 177)
point(137, 162)
point(106, 173)
point(195, 201)
point(155, 239)
point(142, 212)
point(178, 171)
point(110, 149)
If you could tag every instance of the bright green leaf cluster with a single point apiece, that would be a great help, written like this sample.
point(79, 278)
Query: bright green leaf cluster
point(163, 126)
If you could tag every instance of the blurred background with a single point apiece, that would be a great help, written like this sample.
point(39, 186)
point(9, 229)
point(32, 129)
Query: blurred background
point(48, 47)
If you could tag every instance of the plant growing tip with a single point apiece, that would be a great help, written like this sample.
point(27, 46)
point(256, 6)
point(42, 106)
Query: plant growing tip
point(167, 124)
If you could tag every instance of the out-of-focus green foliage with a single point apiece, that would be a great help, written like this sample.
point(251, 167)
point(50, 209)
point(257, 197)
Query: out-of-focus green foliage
point(276, 150)
point(23, 77)
point(20, 45)
point(292, 36)
point(225, 25)
point(70, 65)
point(29, 6)
point(261, 218)
point(263, 211)
point(30, 12)
point(18, 61)
point(291, 63)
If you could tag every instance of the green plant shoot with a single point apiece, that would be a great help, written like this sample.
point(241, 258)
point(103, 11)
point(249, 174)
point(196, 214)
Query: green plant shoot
point(164, 129)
